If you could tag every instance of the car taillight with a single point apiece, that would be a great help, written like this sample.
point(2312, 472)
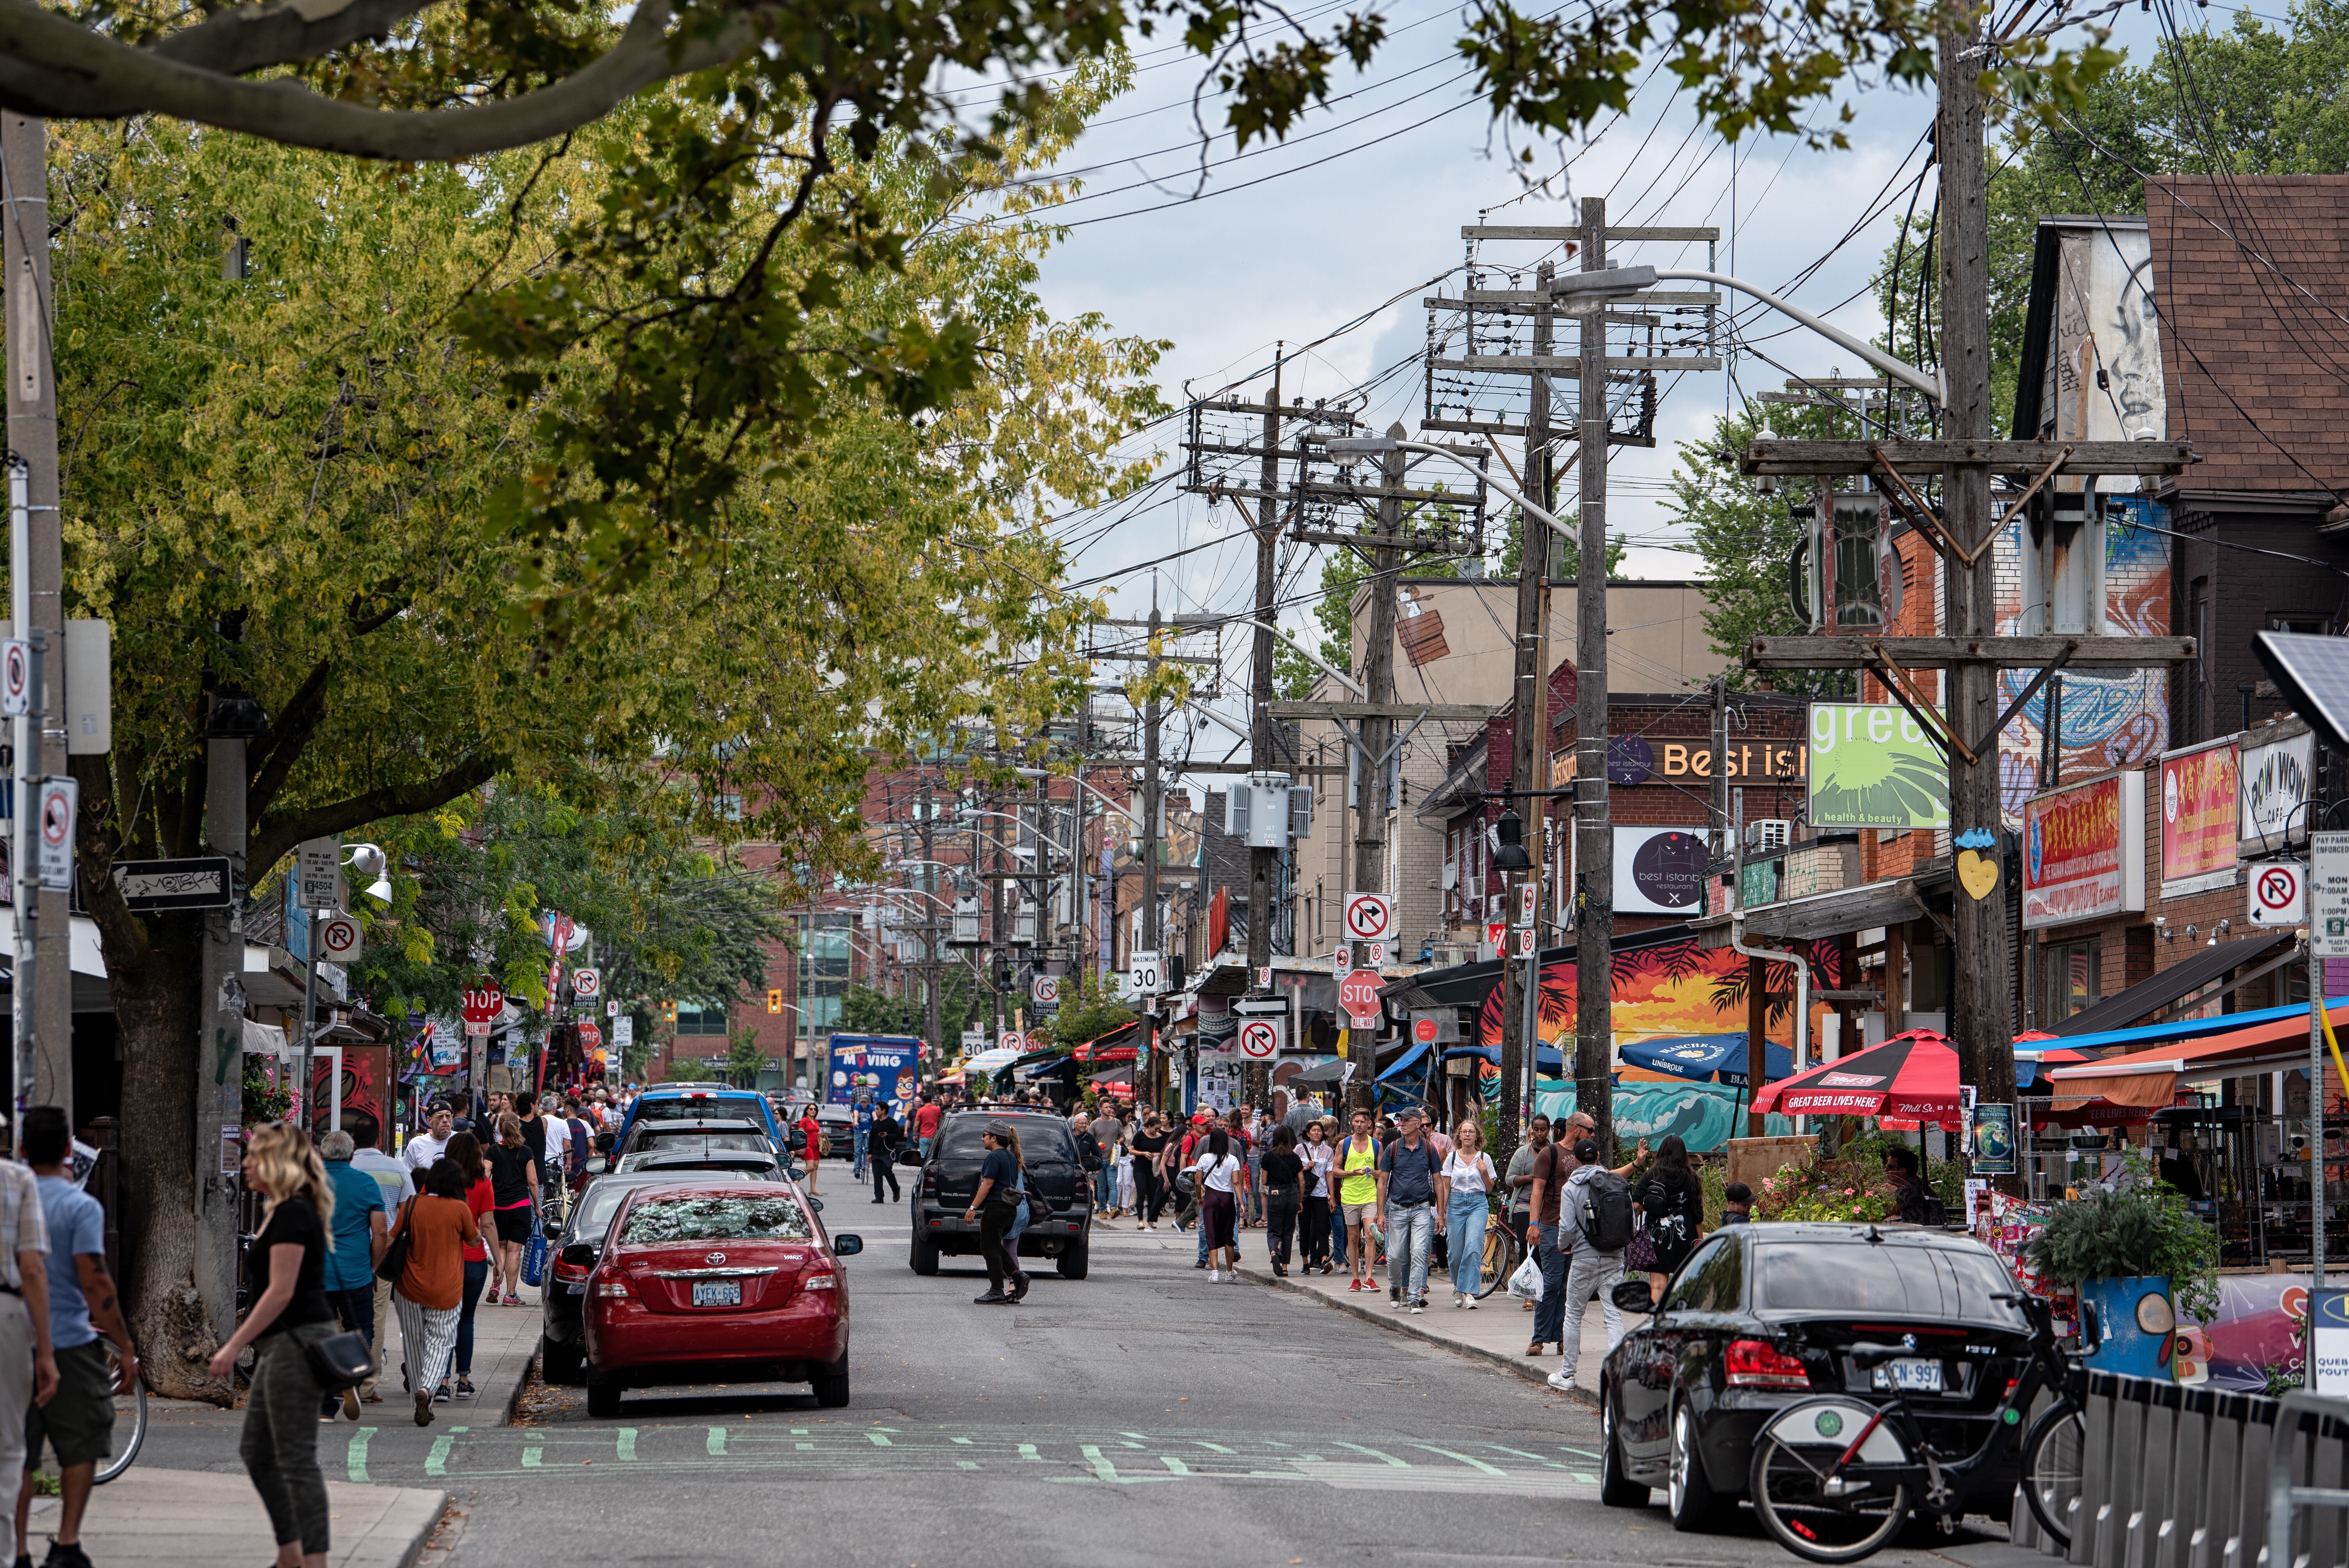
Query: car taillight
point(612, 1287)
point(929, 1180)
point(571, 1273)
point(1757, 1364)
point(817, 1282)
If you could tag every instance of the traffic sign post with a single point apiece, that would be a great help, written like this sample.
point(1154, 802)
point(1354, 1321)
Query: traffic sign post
point(16, 678)
point(1358, 995)
point(61, 804)
point(2278, 893)
point(1261, 1039)
point(2328, 937)
point(1525, 892)
point(339, 939)
point(2328, 895)
point(1144, 975)
point(1044, 990)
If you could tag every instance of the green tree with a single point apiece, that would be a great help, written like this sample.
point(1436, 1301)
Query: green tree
point(745, 1057)
point(1090, 1008)
point(865, 1011)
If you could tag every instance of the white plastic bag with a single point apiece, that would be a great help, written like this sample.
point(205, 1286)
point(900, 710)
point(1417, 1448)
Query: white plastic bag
point(1525, 1285)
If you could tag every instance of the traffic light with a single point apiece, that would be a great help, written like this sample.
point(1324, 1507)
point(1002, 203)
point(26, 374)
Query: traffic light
point(775, 1001)
point(668, 1012)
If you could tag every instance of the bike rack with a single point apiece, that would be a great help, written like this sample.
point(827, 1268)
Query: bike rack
point(2296, 1413)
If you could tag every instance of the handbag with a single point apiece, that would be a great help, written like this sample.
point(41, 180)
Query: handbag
point(394, 1263)
point(340, 1361)
point(1640, 1257)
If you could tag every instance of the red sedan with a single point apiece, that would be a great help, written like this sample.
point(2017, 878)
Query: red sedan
point(709, 1282)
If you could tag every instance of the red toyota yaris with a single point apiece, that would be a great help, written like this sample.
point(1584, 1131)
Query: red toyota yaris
point(707, 1282)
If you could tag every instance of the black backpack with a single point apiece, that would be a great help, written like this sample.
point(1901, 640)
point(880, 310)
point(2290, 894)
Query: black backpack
point(1607, 1212)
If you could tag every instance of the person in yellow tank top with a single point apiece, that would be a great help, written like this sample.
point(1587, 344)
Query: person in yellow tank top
point(1358, 1196)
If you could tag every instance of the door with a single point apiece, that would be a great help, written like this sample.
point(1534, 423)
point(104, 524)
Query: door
point(1651, 1356)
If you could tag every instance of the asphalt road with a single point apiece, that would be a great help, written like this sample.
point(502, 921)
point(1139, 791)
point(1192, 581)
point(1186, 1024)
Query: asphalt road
point(1143, 1416)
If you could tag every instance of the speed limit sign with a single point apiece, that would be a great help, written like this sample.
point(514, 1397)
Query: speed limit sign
point(2278, 893)
point(1259, 1039)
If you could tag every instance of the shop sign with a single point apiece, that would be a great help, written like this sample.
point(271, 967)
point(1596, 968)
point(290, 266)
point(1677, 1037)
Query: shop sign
point(2275, 787)
point(1634, 759)
point(1873, 766)
point(1659, 871)
point(2201, 794)
point(2083, 850)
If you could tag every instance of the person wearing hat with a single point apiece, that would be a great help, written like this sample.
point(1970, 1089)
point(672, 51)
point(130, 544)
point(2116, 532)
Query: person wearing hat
point(1412, 1191)
point(995, 1205)
point(1589, 1271)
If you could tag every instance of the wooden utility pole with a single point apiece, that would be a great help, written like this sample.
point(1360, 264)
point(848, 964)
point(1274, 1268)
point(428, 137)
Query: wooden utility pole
point(1153, 822)
point(933, 1020)
point(1981, 1009)
point(1264, 865)
point(1717, 795)
point(1375, 739)
point(32, 437)
point(1594, 845)
point(1529, 751)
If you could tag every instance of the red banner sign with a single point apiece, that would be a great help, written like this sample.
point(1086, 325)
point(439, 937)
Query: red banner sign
point(2083, 850)
point(2200, 795)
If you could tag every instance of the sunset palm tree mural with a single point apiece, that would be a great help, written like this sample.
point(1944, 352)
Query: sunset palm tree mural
point(1673, 988)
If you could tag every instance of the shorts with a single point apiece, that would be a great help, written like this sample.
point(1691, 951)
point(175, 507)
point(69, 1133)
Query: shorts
point(79, 1420)
point(1359, 1213)
point(513, 1224)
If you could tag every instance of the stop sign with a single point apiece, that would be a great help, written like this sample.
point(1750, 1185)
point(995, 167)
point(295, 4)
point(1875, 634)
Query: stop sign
point(483, 1002)
point(1357, 994)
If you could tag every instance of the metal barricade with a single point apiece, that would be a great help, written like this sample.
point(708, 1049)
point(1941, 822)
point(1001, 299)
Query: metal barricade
point(2307, 1493)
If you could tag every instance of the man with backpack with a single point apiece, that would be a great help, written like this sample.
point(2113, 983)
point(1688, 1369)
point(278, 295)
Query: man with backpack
point(1596, 1212)
point(1412, 1191)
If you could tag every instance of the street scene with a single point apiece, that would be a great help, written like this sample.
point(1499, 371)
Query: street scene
point(972, 783)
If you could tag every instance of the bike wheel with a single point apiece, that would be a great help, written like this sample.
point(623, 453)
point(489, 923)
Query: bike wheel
point(128, 1435)
point(1840, 1518)
point(2054, 1455)
point(1500, 1260)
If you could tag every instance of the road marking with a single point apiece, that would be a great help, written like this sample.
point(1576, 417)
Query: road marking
point(809, 1448)
point(1389, 1459)
point(879, 1442)
point(717, 1444)
point(1445, 1479)
point(966, 1464)
point(964, 1441)
point(532, 1455)
point(1216, 1448)
point(1464, 1458)
point(1028, 1452)
point(1172, 1463)
point(359, 1441)
point(628, 1443)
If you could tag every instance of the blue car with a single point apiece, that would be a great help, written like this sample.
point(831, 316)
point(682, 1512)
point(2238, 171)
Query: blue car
point(700, 1102)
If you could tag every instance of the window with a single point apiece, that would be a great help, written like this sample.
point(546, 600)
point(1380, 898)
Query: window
point(2067, 980)
point(2311, 625)
point(1713, 1280)
point(700, 1018)
point(778, 1218)
point(825, 956)
point(1954, 1284)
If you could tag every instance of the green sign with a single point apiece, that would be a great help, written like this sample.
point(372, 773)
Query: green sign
point(1758, 884)
point(1873, 766)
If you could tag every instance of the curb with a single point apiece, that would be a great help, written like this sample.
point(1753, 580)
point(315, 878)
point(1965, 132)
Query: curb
point(423, 1538)
point(1524, 1367)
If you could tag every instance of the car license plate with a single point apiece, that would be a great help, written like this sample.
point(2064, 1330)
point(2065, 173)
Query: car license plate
point(729, 1292)
point(1912, 1373)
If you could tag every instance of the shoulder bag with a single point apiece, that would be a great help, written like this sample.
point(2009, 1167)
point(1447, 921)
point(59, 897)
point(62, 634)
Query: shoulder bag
point(340, 1361)
point(395, 1256)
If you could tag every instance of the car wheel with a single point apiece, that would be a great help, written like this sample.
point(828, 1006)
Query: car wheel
point(1694, 1507)
point(558, 1363)
point(1615, 1490)
point(1077, 1259)
point(832, 1388)
point(925, 1252)
point(603, 1397)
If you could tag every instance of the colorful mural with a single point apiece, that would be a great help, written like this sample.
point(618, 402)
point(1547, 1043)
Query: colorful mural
point(1703, 1116)
point(1673, 987)
point(2110, 717)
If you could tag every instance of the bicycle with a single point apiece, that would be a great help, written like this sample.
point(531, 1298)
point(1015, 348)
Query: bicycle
point(126, 1445)
point(1503, 1254)
point(1835, 1478)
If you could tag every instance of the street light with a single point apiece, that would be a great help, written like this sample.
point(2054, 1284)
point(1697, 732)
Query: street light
point(369, 861)
point(1347, 451)
point(1596, 287)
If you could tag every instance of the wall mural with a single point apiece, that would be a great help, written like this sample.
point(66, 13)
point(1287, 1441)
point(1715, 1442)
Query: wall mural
point(1673, 987)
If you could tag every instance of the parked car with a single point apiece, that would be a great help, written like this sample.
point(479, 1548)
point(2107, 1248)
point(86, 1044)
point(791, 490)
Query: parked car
point(715, 1282)
point(1059, 1192)
point(1757, 1319)
point(574, 1247)
point(699, 1102)
point(698, 1132)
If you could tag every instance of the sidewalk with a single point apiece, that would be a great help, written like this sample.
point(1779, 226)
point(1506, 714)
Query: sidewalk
point(1495, 1331)
point(200, 1520)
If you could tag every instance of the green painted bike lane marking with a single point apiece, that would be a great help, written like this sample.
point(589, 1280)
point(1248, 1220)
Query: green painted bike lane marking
point(437, 1462)
point(359, 1451)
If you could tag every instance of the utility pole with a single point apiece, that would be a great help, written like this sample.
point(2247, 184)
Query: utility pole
point(1376, 737)
point(32, 437)
point(1981, 1010)
point(1594, 845)
point(1263, 755)
point(933, 1013)
point(1520, 1013)
point(1717, 805)
point(1151, 822)
point(1000, 965)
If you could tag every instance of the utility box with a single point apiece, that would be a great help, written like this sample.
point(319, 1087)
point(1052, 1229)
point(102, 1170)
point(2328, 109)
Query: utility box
point(2063, 559)
point(1256, 811)
point(1845, 576)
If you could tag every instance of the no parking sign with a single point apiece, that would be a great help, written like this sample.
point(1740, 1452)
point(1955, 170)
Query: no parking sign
point(2278, 893)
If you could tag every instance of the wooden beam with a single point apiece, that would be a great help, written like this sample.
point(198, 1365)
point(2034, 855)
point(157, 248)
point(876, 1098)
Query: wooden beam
point(2021, 458)
point(1886, 903)
point(1477, 712)
point(1929, 652)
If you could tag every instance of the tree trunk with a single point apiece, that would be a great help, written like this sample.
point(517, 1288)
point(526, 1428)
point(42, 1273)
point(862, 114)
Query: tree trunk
point(155, 1007)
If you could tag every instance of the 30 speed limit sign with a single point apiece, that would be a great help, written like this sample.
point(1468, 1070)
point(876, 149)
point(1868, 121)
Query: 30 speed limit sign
point(2278, 893)
point(1259, 1039)
point(1370, 917)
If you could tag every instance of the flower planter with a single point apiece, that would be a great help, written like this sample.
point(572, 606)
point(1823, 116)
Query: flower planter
point(2134, 1325)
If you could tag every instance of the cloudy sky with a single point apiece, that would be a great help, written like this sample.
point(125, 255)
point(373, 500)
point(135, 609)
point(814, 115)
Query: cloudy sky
point(1348, 222)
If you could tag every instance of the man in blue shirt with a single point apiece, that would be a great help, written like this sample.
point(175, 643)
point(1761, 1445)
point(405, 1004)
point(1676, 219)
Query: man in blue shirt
point(864, 1116)
point(360, 1234)
point(79, 1420)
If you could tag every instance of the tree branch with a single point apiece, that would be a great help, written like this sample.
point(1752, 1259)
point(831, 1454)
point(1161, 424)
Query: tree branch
point(52, 65)
point(253, 38)
point(274, 837)
point(296, 722)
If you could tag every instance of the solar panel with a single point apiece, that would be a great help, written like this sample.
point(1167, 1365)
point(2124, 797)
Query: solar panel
point(2312, 673)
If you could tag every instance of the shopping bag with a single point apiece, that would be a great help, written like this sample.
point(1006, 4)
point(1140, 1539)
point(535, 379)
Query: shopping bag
point(534, 1259)
point(1525, 1285)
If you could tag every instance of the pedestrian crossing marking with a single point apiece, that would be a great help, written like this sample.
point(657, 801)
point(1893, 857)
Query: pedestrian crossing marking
point(628, 1443)
point(533, 1457)
point(1389, 1459)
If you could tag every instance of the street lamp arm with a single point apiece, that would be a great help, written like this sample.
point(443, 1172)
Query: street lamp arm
point(1310, 657)
point(1107, 804)
point(1900, 370)
point(1507, 490)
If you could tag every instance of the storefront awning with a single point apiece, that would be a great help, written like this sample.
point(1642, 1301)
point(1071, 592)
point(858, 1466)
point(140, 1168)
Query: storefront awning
point(2182, 979)
point(1404, 1062)
point(2152, 1077)
point(1545, 1059)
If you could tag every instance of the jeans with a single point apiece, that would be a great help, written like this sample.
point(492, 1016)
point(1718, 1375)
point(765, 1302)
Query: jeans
point(1105, 1186)
point(1411, 1237)
point(924, 1143)
point(1280, 1206)
point(1149, 1197)
point(16, 1395)
point(863, 1135)
point(280, 1442)
point(1601, 1272)
point(477, 1275)
point(1463, 1234)
point(1336, 1236)
point(1550, 1313)
point(1018, 1228)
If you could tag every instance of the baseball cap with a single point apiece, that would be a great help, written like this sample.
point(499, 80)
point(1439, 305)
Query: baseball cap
point(1587, 1150)
point(1410, 1113)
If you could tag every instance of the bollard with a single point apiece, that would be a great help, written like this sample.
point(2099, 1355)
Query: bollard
point(2106, 1546)
point(2136, 1541)
point(2325, 1470)
point(2155, 1494)
point(2096, 1467)
point(2202, 1549)
point(2169, 1546)
point(2023, 1525)
point(2259, 1436)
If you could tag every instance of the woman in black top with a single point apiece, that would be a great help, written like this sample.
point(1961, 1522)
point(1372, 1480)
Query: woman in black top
point(1283, 1193)
point(513, 1194)
point(1672, 1199)
point(286, 1274)
point(1149, 1192)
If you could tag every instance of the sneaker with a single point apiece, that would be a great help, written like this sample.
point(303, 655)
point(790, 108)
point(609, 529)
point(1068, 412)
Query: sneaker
point(371, 1398)
point(1469, 1302)
point(1417, 1308)
point(1200, 1265)
point(1561, 1380)
point(350, 1409)
point(1216, 1276)
point(992, 1299)
point(64, 1556)
point(441, 1395)
point(424, 1409)
point(465, 1389)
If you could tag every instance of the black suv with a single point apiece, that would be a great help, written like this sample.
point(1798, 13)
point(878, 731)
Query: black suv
point(1060, 1196)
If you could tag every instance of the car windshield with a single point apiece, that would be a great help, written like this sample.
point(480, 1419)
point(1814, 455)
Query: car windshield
point(698, 1107)
point(596, 1207)
point(1893, 1278)
point(1043, 1140)
point(733, 1218)
point(666, 1138)
point(680, 1154)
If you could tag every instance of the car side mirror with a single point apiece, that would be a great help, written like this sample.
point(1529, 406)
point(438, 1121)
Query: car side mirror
point(847, 1246)
point(579, 1254)
point(796, 1172)
point(910, 1157)
point(1633, 1295)
point(817, 1204)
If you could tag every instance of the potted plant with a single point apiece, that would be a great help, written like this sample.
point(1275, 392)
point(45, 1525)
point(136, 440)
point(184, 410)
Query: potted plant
point(2141, 1261)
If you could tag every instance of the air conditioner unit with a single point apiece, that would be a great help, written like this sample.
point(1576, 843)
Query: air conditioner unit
point(1768, 834)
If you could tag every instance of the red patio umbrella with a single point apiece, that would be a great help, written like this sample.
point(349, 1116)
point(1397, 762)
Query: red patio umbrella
point(1912, 1075)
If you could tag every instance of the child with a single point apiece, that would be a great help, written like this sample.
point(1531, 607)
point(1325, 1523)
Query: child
point(1736, 1203)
